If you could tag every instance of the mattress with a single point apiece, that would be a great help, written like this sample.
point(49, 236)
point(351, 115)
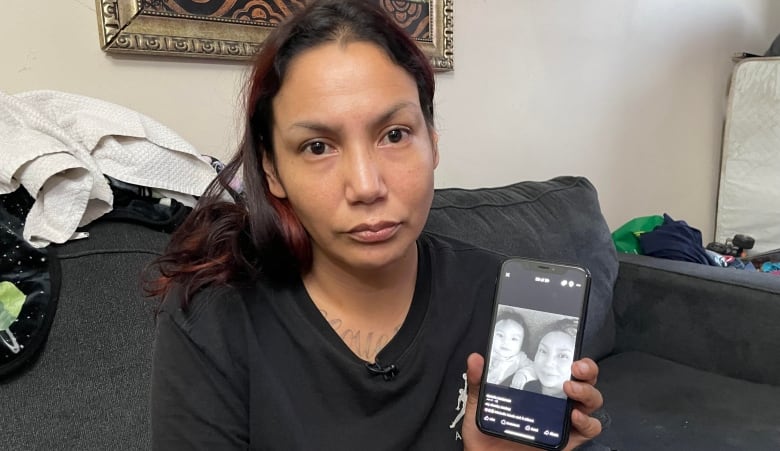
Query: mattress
point(749, 191)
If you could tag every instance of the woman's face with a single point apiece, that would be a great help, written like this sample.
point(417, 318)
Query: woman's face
point(354, 155)
point(553, 359)
point(508, 338)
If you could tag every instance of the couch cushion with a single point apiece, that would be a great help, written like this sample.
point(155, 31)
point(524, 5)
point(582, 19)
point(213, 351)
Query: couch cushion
point(714, 319)
point(558, 220)
point(658, 404)
point(90, 387)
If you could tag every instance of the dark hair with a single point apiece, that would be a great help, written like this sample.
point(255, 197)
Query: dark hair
point(514, 315)
point(566, 325)
point(223, 241)
point(511, 314)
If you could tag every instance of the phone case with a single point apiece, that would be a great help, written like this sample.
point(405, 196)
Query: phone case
point(541, 306)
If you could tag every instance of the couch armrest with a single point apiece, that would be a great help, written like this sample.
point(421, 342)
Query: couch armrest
point(716, 319)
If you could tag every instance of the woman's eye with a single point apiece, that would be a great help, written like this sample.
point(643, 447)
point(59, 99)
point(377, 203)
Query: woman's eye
point(395, 135)
point(316, 147)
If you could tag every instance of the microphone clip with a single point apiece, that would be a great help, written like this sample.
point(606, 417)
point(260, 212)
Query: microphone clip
point(387, 372)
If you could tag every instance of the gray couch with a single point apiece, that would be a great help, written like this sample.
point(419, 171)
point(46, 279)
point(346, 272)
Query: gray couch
point(688, 353)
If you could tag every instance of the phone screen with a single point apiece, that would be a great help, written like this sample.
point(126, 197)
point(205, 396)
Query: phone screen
point(538, 319)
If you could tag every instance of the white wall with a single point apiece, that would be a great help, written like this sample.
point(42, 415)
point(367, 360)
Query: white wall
point(56, 46)
point(630, 93)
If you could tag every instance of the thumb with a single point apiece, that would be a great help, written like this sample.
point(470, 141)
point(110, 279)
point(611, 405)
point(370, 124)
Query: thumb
point(474, 367)
point(472, 436)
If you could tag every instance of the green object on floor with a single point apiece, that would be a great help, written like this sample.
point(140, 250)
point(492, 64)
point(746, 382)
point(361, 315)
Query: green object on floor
point(626, 237)
point(11, 301)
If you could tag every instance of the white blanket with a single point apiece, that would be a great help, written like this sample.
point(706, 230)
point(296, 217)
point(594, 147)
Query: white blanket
point(59, 145)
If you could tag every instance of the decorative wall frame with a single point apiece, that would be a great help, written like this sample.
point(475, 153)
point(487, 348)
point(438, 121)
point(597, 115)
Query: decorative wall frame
point(235, 29)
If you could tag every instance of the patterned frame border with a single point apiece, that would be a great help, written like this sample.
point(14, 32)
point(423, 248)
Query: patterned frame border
point(128, 26)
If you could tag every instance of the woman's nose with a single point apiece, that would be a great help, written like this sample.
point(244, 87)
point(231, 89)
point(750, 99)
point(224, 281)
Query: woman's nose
point(363, 177)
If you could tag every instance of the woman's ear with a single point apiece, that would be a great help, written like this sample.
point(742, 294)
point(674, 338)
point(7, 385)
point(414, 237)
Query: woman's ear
point(274, 185)
point(435, 145)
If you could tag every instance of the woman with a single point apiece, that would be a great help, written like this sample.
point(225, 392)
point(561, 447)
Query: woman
point(553, 359)
point(312, 313)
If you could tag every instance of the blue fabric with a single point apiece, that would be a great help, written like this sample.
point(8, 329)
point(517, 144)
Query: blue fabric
point(674, 240)
point(737, 263)
point(715, 258)
point(770, 266)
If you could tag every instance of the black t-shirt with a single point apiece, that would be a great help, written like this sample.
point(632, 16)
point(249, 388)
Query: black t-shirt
point(261, 368)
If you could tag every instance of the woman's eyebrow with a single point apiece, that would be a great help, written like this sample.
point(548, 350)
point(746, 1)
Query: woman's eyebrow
point(392, 112)
point(320, 127)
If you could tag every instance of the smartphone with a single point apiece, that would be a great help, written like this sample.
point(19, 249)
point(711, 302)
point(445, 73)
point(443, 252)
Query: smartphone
point(536, 333)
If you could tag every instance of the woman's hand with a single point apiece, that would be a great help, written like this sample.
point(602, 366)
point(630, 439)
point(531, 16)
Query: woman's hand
point(587, 399)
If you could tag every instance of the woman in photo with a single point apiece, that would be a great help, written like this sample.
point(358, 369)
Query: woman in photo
point(309, 310)
point(553, 359)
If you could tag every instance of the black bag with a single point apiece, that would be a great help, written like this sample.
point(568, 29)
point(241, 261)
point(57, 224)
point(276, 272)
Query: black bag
point(26, 273)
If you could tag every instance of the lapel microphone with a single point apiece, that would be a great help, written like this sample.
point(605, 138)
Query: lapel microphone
point(387, 372)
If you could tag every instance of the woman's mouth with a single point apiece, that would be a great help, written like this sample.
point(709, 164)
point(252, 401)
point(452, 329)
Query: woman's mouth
point(374, 232)
point(549, 376)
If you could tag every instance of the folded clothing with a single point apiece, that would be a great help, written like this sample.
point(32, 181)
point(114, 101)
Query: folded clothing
point(59, 146)
point(674, 240)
